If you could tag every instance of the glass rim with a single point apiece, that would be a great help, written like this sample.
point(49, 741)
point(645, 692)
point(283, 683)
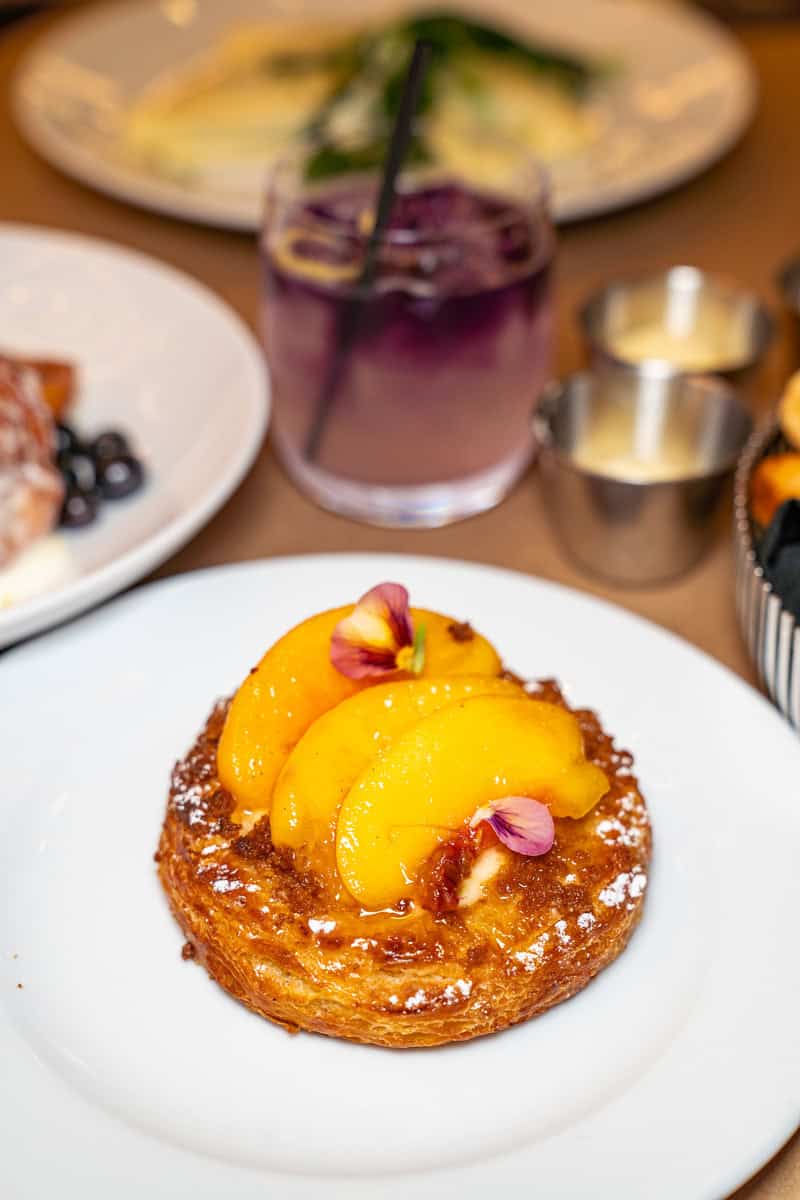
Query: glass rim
point(535, 196)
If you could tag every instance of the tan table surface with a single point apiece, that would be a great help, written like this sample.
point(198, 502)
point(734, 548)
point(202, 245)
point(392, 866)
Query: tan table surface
point(742, 217)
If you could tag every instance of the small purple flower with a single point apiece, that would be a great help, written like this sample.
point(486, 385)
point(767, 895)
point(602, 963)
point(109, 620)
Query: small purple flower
point(378, 637)
point(524, 825)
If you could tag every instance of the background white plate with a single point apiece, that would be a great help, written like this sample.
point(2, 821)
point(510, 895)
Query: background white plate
point(684, 95)
point(161, 358)
point(127, 1072)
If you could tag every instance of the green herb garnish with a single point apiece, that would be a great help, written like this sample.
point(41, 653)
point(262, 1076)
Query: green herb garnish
point(373, 66)
point(329, 159)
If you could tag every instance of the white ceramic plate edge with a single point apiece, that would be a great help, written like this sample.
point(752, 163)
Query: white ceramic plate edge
point(151, 193)
point(719, 1179)
point(42, 612)
point(162, 195)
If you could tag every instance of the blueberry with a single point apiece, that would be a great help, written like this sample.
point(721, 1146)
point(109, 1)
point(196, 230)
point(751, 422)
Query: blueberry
point(67, 439)
point(120, 476)
point(78, 469)
point(79, 509)
point(110, 444)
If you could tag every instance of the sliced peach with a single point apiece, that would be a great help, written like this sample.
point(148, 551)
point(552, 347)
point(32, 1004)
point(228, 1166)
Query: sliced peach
point(341, 743)
point(438, 774)
point(295, 683)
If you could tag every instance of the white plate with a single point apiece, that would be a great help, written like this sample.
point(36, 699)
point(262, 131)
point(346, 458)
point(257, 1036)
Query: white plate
point(684, 95)
point(127, 1072)
point(162, 359)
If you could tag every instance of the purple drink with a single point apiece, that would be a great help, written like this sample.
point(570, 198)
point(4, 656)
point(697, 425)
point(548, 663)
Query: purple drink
point(430, 418)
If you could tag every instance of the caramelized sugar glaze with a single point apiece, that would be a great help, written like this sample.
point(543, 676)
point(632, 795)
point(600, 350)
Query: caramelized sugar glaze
point(292, 946)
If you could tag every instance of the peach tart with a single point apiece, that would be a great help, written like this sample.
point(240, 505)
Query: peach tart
point(386, 836)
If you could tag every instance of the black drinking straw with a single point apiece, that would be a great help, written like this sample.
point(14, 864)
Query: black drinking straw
point(350, 312)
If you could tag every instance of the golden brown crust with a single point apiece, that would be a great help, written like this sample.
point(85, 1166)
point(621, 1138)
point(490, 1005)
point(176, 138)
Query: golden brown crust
point(31, 487)
point(290, 949)
point(57, 381)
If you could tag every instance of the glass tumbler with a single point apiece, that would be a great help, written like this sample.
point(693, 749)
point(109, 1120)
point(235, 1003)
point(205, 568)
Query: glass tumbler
point(403, 386)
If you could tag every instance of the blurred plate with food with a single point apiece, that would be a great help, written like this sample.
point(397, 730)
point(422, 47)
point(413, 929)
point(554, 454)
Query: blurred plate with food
point(180, 105)
point(132, 402)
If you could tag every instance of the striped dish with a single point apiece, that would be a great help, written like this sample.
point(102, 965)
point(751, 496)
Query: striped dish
point(772, 634)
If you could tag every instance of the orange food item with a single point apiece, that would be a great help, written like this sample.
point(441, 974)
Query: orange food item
point(775, 479)
point(789, 411)
point(295, 683)
point(423, 790)
point(57, 381)
point(342, 743)
point(372, 891)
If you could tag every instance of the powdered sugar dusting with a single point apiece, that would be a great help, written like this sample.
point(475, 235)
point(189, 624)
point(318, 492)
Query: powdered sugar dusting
point(625, 889)
point(531, 958)
point(615, 833)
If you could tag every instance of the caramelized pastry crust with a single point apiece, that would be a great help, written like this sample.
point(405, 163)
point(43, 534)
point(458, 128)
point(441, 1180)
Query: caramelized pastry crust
point(31, 488)
point(301, 953)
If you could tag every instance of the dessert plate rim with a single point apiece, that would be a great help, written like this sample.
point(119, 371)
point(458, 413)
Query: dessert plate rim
point(672, 117)
point(660, 1131)
point(48, 258)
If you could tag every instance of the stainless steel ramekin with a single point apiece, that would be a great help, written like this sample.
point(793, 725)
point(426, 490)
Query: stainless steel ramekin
point(677, 299)
point(772, 634)
point(632, 531)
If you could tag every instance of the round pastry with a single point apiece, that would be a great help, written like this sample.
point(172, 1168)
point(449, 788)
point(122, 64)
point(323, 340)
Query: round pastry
point(385, 837)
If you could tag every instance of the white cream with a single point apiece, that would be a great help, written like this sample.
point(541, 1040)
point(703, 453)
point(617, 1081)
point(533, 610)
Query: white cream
point(610, 447)
point(43, 565)
point(712, 343)
point(485, 868)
